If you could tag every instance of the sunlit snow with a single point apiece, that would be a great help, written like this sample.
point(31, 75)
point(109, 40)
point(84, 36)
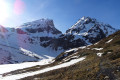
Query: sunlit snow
point(19, 76)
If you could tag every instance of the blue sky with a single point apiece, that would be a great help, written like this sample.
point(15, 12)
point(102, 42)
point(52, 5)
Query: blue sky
point(65, 13)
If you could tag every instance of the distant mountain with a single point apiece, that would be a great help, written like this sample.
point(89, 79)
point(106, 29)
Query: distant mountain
point(42, 25)
point(90, 29)
point(85, 32)
point(28, 42)
point(40, 39)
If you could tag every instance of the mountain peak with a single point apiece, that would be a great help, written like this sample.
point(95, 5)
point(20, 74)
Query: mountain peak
point(82, 21)
point(88, 25)
point(41, 23)
point(43, 20)
point(85, 17)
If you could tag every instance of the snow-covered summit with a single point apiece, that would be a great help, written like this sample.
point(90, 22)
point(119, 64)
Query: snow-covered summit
point(41, 23)
point(84, 20)
point(87, 31)
point(88, 25)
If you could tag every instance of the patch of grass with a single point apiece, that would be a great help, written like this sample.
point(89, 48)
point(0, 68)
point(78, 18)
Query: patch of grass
point(117, 43)
point(81, 71)
point(105, 52)
point(115, 56)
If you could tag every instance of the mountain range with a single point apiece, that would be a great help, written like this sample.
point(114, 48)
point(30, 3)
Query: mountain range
point(89, 50)
point(38, 40)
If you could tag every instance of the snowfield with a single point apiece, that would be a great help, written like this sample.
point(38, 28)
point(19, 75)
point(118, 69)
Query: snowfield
point(25, 65)
point(11, 67)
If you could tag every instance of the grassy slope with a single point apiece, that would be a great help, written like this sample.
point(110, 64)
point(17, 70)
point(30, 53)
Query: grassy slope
point(94, 67)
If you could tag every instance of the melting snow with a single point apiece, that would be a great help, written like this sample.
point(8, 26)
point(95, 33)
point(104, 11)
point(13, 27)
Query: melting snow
point(19, 76)
point(99, 54)
point(83, 47)
point(97, 49)
point(109, 41)
point(74, 49)
point(70, 58)
point(11, 67)
point(96, 43)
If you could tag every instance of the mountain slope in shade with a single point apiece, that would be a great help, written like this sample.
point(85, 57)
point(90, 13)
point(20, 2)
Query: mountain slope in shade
point(10, 54)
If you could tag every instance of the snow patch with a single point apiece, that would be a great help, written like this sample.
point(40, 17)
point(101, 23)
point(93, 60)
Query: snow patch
point(109, 41)
point(98, 49)
point(82, 47)
point(74, 49)
point(99, 54)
